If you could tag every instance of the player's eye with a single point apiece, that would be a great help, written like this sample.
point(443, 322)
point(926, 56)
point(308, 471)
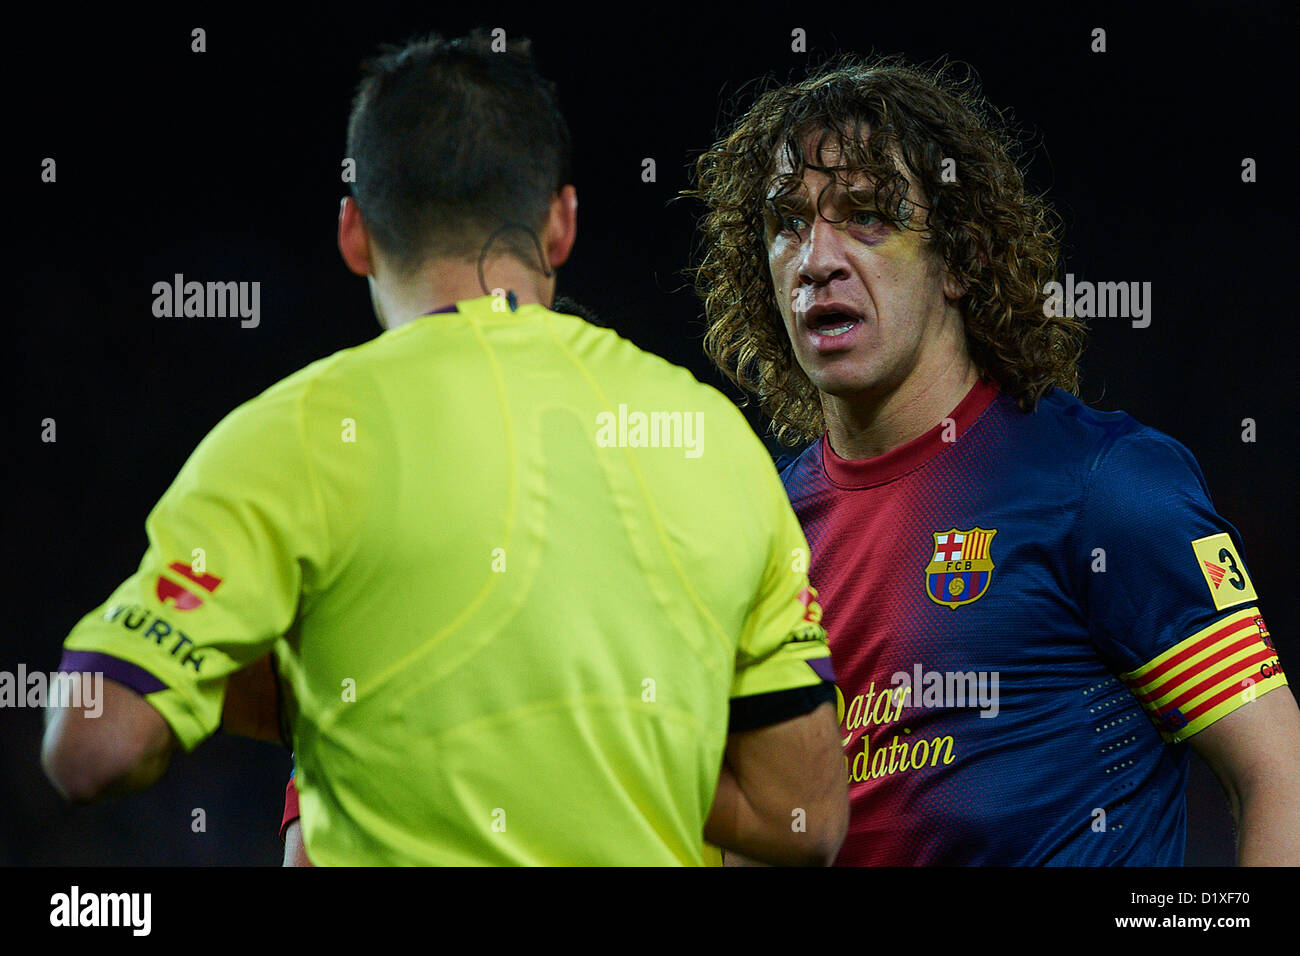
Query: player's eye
point(792, 223)
point(784, 219)
point(865, 218)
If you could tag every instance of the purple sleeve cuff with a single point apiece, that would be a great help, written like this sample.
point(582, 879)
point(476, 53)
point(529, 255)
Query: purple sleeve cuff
point(822, 668)
point(114, 668)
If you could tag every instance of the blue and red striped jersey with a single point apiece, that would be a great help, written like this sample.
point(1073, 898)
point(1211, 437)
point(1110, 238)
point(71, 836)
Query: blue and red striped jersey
point(1028, 614)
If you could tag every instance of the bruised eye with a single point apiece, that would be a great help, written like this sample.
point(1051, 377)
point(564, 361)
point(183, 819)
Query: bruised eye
point(792, 222)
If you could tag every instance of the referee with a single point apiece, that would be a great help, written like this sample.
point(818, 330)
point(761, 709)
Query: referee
point(536, 597)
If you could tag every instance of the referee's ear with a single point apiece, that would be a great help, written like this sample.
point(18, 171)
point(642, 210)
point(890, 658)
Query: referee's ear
point(354, 240)
point(561, 229)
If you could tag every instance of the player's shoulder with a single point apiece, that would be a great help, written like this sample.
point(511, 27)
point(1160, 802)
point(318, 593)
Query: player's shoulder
point(1116, 453)
point(1100, 439)
point(796, 465)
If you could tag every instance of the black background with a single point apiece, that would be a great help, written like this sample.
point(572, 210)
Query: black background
point(224, 165)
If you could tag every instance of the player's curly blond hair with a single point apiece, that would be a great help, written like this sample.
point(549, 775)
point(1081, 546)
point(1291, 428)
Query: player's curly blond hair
point(998, 241)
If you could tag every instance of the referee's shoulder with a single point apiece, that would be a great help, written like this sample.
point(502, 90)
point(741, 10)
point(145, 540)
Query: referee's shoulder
point(607, 351)
point(325, 377)
point(298, 384)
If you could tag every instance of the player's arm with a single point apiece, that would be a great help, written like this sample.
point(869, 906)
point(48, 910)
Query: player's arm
point(1255, 752)
point(782, 795)
point(123, 748)
point(1195, 650)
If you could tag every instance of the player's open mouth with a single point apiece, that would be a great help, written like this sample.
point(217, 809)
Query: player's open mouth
point(831, 318)
point(829, 325)
point(839, 324)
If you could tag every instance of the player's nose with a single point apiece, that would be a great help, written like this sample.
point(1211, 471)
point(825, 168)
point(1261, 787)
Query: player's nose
point(823, 256)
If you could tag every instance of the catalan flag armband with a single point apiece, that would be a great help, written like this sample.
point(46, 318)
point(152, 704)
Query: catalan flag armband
point(1207, 676)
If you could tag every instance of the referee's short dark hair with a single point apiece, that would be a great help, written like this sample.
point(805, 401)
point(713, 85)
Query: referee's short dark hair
point(452, 139)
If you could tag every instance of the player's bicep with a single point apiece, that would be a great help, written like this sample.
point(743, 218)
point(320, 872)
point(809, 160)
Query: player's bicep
point(1207, 675)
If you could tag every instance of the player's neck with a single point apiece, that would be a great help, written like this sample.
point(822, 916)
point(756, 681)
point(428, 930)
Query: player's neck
point(869, 425)
point(443, 283)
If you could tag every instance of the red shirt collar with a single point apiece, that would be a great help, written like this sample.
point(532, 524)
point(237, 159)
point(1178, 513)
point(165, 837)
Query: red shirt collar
point(907, 457)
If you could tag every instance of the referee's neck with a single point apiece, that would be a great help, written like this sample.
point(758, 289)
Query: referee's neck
point(444, 282)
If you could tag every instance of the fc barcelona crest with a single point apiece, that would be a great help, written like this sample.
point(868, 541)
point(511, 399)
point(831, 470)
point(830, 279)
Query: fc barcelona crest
point(962, 566)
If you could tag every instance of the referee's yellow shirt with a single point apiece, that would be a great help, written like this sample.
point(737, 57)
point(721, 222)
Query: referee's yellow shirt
point(513, 568)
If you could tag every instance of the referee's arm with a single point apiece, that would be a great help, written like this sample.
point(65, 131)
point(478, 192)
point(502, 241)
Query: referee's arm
point(782, 795)
point(124, 748)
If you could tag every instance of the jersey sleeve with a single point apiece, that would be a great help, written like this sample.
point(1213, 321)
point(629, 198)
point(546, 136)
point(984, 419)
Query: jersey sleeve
point(234, 545)
point(783, 646)
point(1170, 604)
point(291, 811)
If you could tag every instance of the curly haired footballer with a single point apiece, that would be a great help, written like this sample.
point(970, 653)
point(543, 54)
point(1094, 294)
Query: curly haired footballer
point(997, 241)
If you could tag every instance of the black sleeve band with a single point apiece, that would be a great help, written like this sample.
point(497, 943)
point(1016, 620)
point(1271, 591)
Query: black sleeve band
point(761, 710)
